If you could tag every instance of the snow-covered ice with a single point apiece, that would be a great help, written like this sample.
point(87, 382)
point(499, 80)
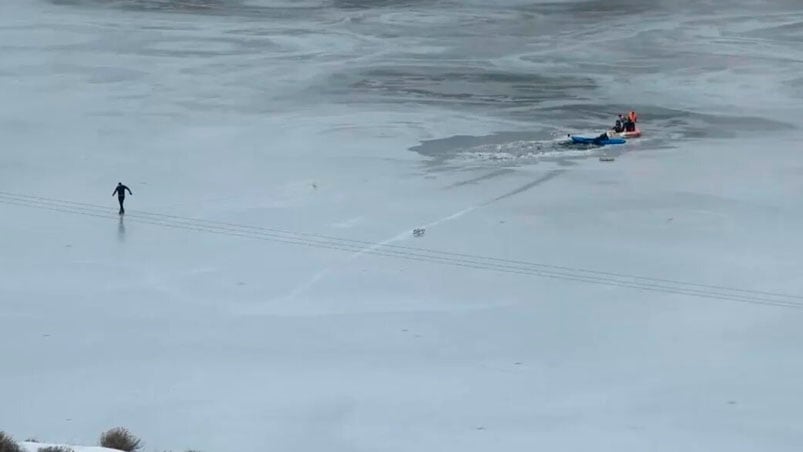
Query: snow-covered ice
point(265, 286)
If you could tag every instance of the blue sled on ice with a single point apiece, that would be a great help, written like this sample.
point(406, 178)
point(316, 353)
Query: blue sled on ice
point(599, 142)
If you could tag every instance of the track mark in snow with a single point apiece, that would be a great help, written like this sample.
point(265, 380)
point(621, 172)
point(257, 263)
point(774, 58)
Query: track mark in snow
point(548, 176)
point(486, 176)
point(370, 249)
point(406, 234)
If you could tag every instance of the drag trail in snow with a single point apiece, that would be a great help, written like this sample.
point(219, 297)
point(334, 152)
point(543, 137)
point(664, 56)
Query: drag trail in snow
point(406, 234)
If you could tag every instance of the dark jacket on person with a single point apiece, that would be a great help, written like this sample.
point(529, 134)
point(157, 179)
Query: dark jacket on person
point(120, 191)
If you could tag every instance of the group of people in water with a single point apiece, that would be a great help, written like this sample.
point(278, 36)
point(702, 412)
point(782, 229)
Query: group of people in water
point(624, 123)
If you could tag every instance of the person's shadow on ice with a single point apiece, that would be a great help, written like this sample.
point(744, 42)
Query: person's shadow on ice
point(121, 230)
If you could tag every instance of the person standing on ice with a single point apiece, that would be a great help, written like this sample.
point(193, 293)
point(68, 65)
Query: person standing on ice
point(120, 192)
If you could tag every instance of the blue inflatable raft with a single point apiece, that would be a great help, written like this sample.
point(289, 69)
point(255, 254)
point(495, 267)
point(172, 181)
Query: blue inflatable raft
point(589, 140)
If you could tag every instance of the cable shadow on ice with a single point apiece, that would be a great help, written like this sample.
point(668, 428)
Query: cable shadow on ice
point(655, 284)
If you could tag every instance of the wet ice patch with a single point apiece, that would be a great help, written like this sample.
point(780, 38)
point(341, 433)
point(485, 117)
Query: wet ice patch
point(34, 37)
point(503, 147)
point(459, 86)
point(369, 4)
point(522, 151)
point(92, 74)
point(194, 46)
point(110, 74)
point(436, 18)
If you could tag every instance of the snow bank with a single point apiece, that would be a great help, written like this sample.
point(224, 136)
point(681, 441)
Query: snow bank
point(35, 447)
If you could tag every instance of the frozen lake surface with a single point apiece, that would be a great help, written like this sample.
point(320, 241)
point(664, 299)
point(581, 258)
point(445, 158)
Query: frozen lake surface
point(265, 287)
